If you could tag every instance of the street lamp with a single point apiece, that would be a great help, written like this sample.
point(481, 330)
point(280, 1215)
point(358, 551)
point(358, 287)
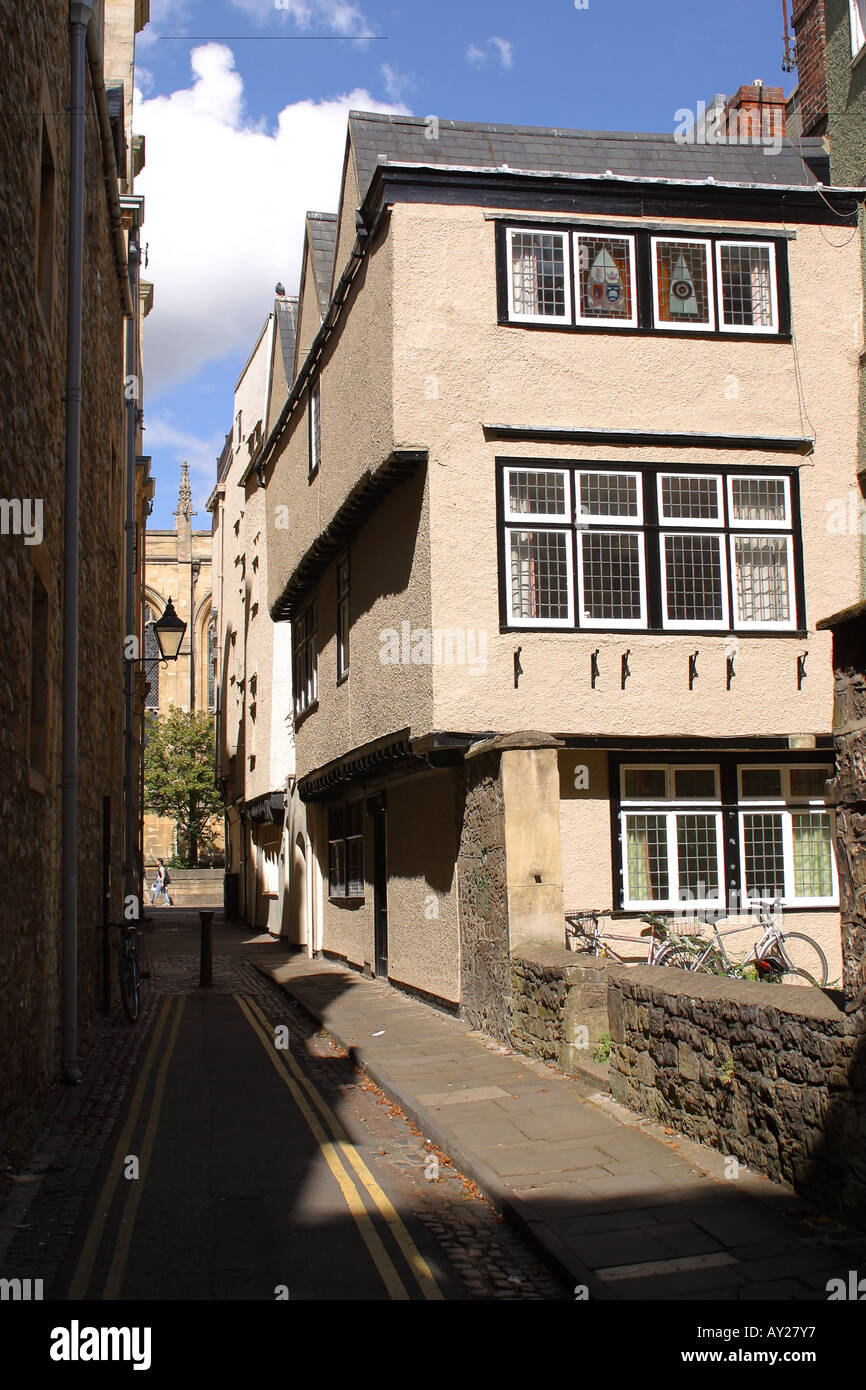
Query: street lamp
point(169, 633)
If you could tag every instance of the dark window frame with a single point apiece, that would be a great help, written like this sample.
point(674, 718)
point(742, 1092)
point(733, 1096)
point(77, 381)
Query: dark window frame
point(344, 618)
point(346, 880)
point(650, 527)
point(305, 654)
point(314, 430)
point(643, 286)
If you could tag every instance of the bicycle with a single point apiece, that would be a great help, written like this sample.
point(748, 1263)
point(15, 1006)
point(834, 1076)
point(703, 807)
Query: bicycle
point(778, 956)
point(583, 932)
point(129, 972)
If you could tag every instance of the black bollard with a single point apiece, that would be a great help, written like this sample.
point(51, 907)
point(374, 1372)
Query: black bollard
point(205, 979)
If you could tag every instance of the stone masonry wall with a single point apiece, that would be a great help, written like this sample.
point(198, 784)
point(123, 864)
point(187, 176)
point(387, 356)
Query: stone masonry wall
point(555, 995)
point(774, 1075)
point(484, 952)
point(34, 52)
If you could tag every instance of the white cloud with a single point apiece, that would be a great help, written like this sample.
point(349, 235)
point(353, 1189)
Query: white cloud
point(338, 15)
point(224, 209)
point(495, 48)
point(396, 82)
point(166, 17)
point(504, 48)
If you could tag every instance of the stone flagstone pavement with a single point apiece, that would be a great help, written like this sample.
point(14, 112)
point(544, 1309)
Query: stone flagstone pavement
point(616, 1203)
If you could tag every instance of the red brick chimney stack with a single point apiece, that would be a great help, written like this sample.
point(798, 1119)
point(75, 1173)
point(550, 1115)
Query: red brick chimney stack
point(810, 31)
point(755, 112)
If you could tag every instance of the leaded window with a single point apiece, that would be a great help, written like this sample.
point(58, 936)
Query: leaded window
point(578, 542)
point(786, 835)
point(538, 276)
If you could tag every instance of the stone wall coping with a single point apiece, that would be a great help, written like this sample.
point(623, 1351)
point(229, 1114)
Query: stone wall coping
point(793, 1000)
point(556, 958)
point(525, 739)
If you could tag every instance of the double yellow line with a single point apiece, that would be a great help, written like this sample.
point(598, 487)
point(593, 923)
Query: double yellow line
point(337, 1150)
point(84, 1271)
point(341, 1155)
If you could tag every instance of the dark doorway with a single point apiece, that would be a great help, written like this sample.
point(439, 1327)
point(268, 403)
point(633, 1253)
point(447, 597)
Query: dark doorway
point(376, 807)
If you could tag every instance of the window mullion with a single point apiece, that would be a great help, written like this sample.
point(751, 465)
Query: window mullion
point(652, 559)
point(788, 854)
point(673, 857)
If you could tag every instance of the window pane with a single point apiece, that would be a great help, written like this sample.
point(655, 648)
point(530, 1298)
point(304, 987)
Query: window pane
point(697, 858)
point(647, 858)
point(693, 578)
point(604, 278)
point(611, 574)
point(539, 574)
point(541, 494)
point(747, 286)
point(758, 499)
point(609, 495)
point(695, 783)
point(765, 863)
point(813, 873)
point(761, 781)
point(681, 270)
point(645, 783)
point(809, 781)
point(355, 866)
point(336, 869)
point(686, 497)
point(761, 568)
point(538, 273)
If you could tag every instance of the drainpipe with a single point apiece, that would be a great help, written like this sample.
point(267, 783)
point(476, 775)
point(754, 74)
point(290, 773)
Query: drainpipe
point(79, 17)
point(132, 887)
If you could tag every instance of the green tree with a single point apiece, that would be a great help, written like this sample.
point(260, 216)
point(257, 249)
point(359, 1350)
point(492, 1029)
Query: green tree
point(179, 776)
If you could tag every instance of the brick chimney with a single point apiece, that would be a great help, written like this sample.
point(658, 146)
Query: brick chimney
point(810, 32)
point(755, 112)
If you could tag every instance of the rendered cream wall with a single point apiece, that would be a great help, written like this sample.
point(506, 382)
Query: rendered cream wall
point(456, 368)
point(423, 930)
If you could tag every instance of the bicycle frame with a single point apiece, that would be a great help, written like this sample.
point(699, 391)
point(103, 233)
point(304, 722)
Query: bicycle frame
point(599, 940)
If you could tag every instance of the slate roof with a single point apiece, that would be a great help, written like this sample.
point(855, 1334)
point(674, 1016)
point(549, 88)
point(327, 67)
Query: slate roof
point(283, 374)
point(322, 238)
point(627, 153)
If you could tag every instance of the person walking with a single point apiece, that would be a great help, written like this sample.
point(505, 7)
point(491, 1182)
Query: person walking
point(160, 888)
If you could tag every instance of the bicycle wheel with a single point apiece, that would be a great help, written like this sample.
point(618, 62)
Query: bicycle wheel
point(582, 940)
point(130, 987)
point(676, 957)
point(712, 965)
point(808, 964)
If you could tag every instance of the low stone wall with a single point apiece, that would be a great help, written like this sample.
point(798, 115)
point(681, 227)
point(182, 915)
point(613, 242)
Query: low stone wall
point(774, 1075)
point(554, 996)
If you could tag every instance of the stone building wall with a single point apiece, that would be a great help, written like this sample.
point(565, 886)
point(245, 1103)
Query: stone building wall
point(32, 382)
point(484, 947)
point(773, 1075)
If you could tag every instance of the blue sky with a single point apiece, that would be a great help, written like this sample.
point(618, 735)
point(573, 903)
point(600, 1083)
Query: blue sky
point(244, 116)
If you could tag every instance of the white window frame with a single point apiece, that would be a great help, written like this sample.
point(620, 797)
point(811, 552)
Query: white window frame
point(786, 816)
point(662, 325)
point(747, 524)
point(545, 519)
point(694, 624)
point(586, 520)
point(857, 13)
point(585, 620)
point(773, 328)
point(513, 619)
point(603, 321)
point(764, 625)
point(514, 316)
point(784, 806)
point(672, 806)
point(693, 523)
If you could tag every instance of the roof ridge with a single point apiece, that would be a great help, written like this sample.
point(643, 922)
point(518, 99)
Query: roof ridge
point(496, 127)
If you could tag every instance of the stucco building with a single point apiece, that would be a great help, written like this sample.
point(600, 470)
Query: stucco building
point(75, 492)
point(559, 460)
point(255, 752)
point(179, 567)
